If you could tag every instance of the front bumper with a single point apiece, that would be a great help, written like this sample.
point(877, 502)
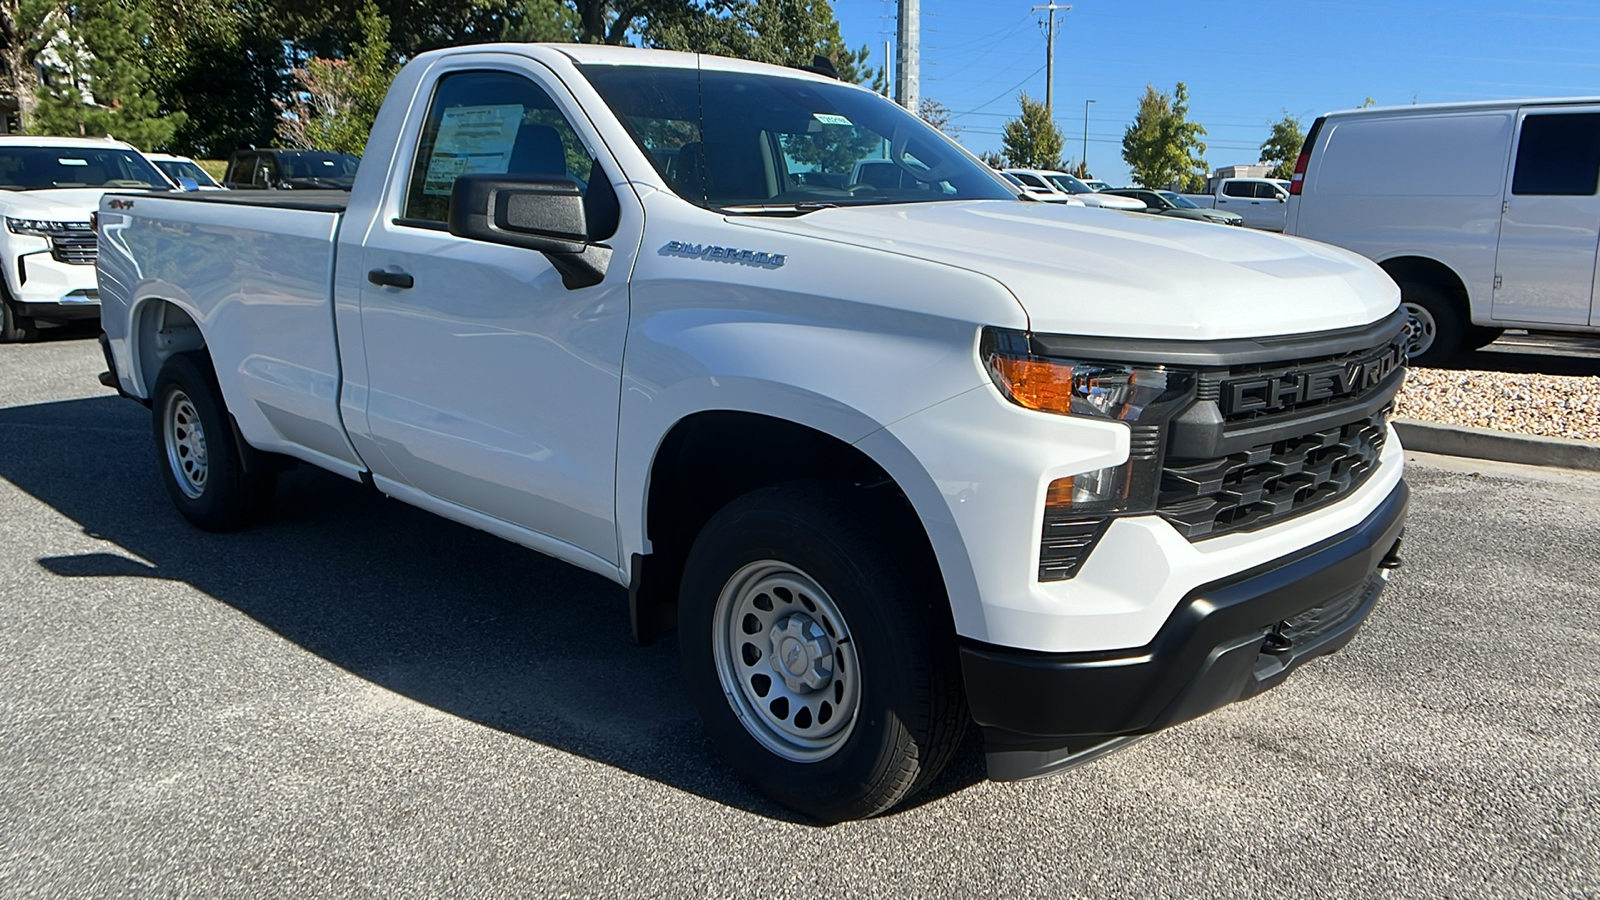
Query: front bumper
point(1225, 641)
point(46, 288)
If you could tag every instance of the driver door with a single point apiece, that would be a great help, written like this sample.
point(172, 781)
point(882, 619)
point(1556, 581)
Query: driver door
point(493, 387)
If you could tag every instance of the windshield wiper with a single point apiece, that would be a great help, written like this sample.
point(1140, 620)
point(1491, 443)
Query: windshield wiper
point(779, 209)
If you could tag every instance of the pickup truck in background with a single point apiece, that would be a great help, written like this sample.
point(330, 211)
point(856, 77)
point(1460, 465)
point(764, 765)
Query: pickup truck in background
point(49, 190)
point(893, 455)
point(290, 170)
point(1261, 201)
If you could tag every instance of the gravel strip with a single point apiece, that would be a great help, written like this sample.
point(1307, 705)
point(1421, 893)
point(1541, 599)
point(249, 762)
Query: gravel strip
point(1565, 406)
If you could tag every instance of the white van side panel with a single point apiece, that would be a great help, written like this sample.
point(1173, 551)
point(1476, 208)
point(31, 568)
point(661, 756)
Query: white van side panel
point(1413, 185)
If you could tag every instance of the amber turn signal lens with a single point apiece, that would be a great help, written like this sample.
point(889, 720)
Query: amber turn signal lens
point(1036, 383)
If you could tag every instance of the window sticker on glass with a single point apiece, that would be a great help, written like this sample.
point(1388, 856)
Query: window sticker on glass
point(68, 161)
point(472, 140)
point(831, 119)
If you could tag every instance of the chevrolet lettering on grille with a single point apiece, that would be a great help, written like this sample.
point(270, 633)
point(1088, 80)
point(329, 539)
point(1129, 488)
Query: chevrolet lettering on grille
point(1277, 391)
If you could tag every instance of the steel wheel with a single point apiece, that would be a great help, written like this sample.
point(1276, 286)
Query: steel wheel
point(1424, 329)
point(786, 661)
point(186, 444)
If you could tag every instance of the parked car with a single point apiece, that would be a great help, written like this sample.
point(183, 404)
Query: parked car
point(1261, 201)
point(176, 167)
point(1096, 184)
point(1048, 195)
point(49, 189)
point(846, 441)
point(1174, 204)
point(1066, 185)
point(290, 170)
point(1485, 213)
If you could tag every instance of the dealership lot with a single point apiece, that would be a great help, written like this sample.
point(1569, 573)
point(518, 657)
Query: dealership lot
point(358, 698)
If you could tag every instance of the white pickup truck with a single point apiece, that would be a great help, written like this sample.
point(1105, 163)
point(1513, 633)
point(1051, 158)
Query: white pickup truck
point(891, 459)
point(1261, 201)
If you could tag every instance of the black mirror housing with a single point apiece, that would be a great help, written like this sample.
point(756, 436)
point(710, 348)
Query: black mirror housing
point(536, 212)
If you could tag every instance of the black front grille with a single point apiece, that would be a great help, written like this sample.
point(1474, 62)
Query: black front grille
point(1271, 482)
point(1066, 544)
point(76, 249)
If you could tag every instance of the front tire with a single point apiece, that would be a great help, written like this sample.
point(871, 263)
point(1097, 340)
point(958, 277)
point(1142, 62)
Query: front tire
point(15, 329)
point(195, 451)
point(822, 661)
point(1437, 329)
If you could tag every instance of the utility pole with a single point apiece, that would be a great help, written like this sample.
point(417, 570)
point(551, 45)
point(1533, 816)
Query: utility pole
point(1086, 137)
point(888, 70)
point(1049, 53)
point(908, 67)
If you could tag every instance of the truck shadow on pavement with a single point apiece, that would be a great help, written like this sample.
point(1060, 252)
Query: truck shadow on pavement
point(442, 614)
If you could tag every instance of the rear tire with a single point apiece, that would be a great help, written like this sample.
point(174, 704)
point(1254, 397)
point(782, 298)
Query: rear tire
point(1480, 336)
point(1437, 327)
point(822, 661)
point(15, 329)
point(195, 450)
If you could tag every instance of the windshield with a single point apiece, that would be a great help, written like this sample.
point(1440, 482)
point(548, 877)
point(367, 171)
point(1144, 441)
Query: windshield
point(1179, 200)
point(317, 164)
point(176, 169)
point(760, 143)
point(1071, 185)
point(43, 168)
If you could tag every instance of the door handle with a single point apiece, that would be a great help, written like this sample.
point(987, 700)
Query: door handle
point(390, 279)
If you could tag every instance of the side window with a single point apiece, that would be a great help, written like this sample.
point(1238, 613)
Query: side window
point(489, 123)
point(1265, 191)
point(1238, 189)
point(1030, 180)
point(1558, 155)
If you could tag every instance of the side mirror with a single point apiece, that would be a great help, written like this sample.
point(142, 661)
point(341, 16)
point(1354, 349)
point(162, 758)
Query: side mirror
point(1283, 198)
point(536, 212)
point(185, 183)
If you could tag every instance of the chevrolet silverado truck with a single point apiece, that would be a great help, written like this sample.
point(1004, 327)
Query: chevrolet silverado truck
point(49, 187)
point(892, 457)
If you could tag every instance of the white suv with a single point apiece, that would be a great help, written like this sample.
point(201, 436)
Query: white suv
point(1068, 186)
point(49, 187)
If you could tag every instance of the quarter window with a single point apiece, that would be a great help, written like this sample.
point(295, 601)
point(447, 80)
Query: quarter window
point(494, 123)
point(1558, 155)
point(1238, 189)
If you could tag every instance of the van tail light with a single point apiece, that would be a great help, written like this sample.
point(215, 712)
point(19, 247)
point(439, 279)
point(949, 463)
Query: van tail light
point(1297, 182)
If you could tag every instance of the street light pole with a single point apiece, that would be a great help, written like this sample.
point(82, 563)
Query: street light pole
point(1050, 52)
point(1086, 137)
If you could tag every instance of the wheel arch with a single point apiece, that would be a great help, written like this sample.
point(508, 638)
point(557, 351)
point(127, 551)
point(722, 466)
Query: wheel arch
point(1417, 269)
point(159, 329)
point(709, 457)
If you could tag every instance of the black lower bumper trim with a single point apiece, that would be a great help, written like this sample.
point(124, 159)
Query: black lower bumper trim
point(58, 312)
point(1224, 641)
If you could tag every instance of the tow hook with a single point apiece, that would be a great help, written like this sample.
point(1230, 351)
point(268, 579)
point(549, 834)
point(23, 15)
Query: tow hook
point(1277, 642)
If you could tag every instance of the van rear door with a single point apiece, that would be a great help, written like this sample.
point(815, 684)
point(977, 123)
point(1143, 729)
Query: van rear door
point(1550, 224)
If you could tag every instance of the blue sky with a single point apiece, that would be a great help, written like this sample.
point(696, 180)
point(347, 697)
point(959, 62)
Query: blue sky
point(1245, 63)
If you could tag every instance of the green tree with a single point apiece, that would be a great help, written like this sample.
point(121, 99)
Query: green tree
point(336, 100)
point(1032, 140)
point(1162, 147)
point(539, 20)
point(1282, 146)
point(938, 115)
point(21, 38)
point(220, 63)
point(96, 75)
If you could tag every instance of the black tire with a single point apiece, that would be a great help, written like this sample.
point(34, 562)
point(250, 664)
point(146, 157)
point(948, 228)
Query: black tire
point(15, 329)
point(1480, 336)
point(1439, 328)
point(909, 712)
point(195, 450)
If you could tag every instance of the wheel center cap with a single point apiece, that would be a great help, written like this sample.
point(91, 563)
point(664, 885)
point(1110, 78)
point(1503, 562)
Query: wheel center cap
point(794, 657)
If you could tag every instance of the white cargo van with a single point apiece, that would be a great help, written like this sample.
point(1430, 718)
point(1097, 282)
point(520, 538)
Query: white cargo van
point(1486, 214)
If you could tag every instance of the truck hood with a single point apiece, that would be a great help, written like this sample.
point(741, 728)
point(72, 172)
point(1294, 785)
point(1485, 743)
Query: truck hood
point(1101, 272)
point(57, 205)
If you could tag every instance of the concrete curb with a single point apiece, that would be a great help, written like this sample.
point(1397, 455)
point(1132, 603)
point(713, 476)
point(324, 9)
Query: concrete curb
point(1486, 443)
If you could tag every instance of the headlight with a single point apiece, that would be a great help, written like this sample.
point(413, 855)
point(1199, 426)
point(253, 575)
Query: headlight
point(44, 227)
point(1142, 397)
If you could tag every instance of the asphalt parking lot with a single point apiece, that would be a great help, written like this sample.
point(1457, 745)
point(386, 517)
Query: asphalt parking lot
point(359, 699)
